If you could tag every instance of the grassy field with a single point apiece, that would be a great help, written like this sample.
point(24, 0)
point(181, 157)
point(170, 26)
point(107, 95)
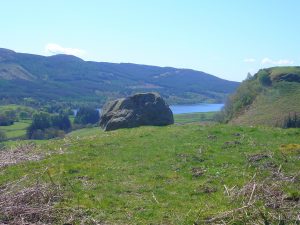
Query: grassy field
point(179, 174)
point(17, 130)
point(15, 107)
point(9, 107)
point(194, 117)
point(278, 71)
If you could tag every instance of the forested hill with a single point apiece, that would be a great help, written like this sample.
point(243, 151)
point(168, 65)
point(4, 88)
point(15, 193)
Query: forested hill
point(66, 78)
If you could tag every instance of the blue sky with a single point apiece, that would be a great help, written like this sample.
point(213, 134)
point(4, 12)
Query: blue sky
point(227, 38)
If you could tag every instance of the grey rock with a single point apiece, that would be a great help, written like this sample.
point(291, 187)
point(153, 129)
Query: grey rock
point(136, 110)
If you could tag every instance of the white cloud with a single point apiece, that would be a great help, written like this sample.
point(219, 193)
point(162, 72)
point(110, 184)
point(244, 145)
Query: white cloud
point(249, 60)
point(266, 61)
point(285, 62)
point(279, 62)
point(52, 48)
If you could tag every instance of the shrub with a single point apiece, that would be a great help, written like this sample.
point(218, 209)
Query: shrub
point(53, 133)
point(292, 121)
point(36, 134)
point(40, 122)
point(61, 122)
point(47, 134)
point(11, 114)
point(2, 135)
point(45, 126)
point(244, 96)
point(264, 79)
point(5, 120)
point(24, 115)
point(87, 115)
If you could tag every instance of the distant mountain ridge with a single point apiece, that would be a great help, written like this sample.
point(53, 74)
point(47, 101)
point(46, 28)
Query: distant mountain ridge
point(69, 78)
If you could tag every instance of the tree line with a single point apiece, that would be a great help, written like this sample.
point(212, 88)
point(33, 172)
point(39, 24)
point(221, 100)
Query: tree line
point(47, 126)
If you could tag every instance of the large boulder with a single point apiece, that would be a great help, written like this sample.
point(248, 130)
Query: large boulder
point(136, 110)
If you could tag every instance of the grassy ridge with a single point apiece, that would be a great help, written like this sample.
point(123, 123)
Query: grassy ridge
point(162, 175)
point(276, 72)
point(268, 98)
point(273, 106)
point(194, 117)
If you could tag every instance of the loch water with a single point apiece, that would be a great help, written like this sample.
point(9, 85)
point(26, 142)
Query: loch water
point(193, 108)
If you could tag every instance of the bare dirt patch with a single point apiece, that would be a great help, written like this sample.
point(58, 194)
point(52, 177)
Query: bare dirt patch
point(197, 172)
point(257, 157)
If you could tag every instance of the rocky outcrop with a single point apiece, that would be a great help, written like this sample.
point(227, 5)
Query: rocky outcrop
point(137, 110)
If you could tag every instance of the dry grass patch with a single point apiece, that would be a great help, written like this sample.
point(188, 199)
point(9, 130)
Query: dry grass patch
point(24, 203)
point(260, 203)
point(22, 153)
point(34, 204)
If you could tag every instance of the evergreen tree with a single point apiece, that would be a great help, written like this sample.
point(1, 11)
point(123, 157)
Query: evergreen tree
point(87, 115)
point(2, 135)
point(40, 121)
point(61, 122)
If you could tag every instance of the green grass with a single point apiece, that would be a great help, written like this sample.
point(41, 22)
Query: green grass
point(17, 130)
point(145, 175)
point(15, 107)
point(9, 107)
point(194, 117)
point(278, 71)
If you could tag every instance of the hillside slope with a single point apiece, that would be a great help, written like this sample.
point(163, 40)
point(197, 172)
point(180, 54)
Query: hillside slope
point(65, 78)
point(178, 174)
point(269, 97)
